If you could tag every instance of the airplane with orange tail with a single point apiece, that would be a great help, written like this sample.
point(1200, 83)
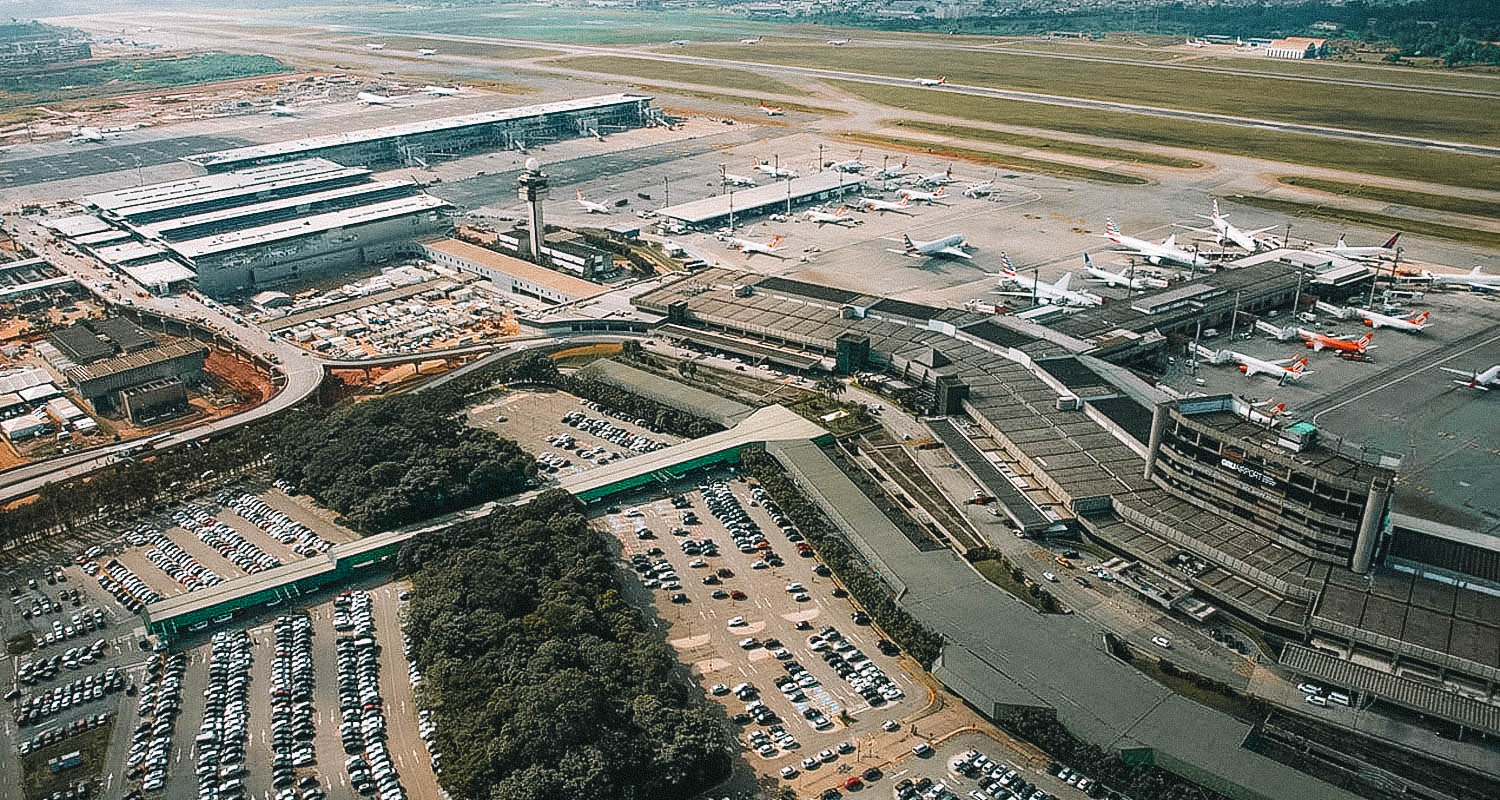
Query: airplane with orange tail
point(1322, 341)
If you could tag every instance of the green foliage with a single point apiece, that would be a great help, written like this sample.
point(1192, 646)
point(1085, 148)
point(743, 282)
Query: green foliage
point(661, 417)
point(396, 460)
point(873, 594)
point(118, 76)
point(543, 681)
point(1041, 728)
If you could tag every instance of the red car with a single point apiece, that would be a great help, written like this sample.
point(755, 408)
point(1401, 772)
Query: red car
point(853, 783)
point(738, 595)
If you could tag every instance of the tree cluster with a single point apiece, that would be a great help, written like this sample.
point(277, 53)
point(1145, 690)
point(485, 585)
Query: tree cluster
point(396, 460)
point(1045, 599)
point(1040, 727)
point(137, 484)
point(543, 681)
point(873, 594)
point(658, 417)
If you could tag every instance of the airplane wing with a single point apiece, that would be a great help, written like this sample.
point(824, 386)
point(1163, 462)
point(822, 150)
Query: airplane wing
point(956, 252)
point(1463, 372)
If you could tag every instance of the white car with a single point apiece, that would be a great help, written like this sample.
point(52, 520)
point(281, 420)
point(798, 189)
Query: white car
point(735, 622)
point(789, 772)
point(1162, 642)
point(890, 726)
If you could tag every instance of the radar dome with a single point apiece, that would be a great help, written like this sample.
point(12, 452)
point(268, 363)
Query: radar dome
point(532, 165)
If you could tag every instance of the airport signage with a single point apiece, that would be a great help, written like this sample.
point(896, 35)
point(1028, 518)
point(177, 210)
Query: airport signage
point(1249, 473)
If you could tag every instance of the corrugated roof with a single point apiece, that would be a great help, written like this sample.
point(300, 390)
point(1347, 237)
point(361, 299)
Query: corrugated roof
point(517, 268)
point(317, 223)
point(134, 360)
point(698, 211)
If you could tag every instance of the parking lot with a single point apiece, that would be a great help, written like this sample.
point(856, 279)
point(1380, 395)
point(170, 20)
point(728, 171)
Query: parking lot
point(767, 630)
point(568, 435)
point(972, 767)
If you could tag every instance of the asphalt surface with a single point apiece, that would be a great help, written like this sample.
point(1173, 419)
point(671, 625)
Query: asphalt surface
point(87, 159)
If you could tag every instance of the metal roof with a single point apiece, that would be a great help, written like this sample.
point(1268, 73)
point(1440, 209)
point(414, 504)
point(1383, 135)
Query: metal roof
point(296, 228)
point(315, 143)
point(165, 228)
point(1394, 688)
point(151, 197)
point(143, 358)
point(750, 199)
point(517, 268)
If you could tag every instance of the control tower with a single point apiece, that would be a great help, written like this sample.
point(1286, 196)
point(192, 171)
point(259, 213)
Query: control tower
point(532, 189)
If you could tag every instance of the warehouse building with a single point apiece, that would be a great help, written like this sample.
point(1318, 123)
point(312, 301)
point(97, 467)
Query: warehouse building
point(101, 382)
point(409, 143)
point(735, 207)
point(90, 340)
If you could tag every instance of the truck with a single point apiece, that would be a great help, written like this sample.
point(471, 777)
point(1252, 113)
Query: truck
point(66, 761)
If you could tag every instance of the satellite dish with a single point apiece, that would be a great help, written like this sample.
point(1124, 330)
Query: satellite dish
point(532, 165)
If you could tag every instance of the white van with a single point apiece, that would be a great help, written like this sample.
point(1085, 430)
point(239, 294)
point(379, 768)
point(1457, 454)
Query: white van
point(1339, 697)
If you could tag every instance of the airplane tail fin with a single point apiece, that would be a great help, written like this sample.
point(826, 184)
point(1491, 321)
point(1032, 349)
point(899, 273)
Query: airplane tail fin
point(904, 200)
point(578, 193)
point(1390, 244)
point(1006, 268)
point(943, 79)
point(1217, 215)
point(775, 240)
point(1063, 282)
point(910, 246)
point(942, 190)
point(1297, 367)
point(1477, 270)
point(1364, 341)
point(1087, 263)
point(1111, 229)
point(1421, 318)
point(1170, 241)
point(1340, 243)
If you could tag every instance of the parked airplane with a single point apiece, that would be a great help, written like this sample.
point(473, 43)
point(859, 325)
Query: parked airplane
point(888, 172)
point(838, 42)
point(1191, 42)
point(283, 111)
point(1411, 324)
point(589, 206)
point(883, 206)
point(87, 134)
point(914, 196)
point(756, 40)
point(1167, 251)
point(372, 99)
point(750, 248)
point(937, 178)
point(932, 81)
point(1321, 341)
point(1045, 293)
point(978, 190)
point(1476, 280)
point(852, 165)
point(770, 111)
point(1287, 369)
point(1121, 278)
point(738, 180)
point(426, 51)
point(839, 217)
point(768, 169)
point(442, 91)
point(1223, 231)
point(1387, 250)
point(951, 246)
point(1476, 379)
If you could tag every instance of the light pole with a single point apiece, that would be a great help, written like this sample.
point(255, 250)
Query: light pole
point(820, 158)
point(1036, 275)
point(666, 191)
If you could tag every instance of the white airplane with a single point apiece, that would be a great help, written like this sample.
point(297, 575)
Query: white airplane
point(372, 99)
point(889, 172)
point(1387, 250)
point(283, 111)
point(937, 178)
point(771, 111)
point(839, 217)
point(931, 198)
point(678, 42)
point(589, 206)
point(1191, 42)
point(1476, 379)
point(932, 81)
point(852, 165)
point(442, 91)
point(426, 51)
point(1412, 324)
point(1223, 230)
point(838, 42)
point(1046, 293)
point(738, 180)
point(375, 46)
point(750, 248)
point(1167, 251)
point(1121, 278)
point(88, 134)
point(775, 172)
point(756, 40)
point(1287, 369)
point(882, 206)
point(978, 190)
point(951, 246)
point(1476, 280)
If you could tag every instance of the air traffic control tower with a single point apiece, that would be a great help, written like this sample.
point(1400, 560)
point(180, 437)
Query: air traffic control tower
point(532, 189)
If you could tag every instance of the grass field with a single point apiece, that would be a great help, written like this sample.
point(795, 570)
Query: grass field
point(1437, 202)
point(544, 24)
point(737, 99)
point(38, 782)
point(718, 77)
point(1371, 220)
point(993, 159)
point(1055, 145)
point(1359, 108)
point(1411, 163)
point(108, 77)
point(1401, 76)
